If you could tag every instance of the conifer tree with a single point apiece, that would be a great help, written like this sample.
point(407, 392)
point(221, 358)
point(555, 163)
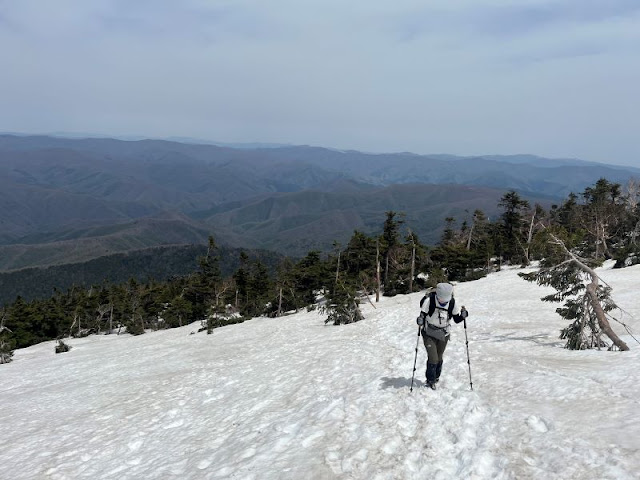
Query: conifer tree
point(479, 241)
point(342, 304)
point(452, 260)
point(134, 319)
point(209, 287)
point(513, 226)
point(602, 217)
point(341, 299)
point(241, 279)
point(567, 215)
point(359, 261)
point(20, 320)
point(259, 289)
point(178, 311)
point(586, 300)
point(309, 276)
point(391, 250)
point(284, 296)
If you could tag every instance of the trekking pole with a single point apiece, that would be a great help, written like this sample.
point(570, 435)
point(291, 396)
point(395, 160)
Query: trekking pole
point(415, 360)
point(468, 359)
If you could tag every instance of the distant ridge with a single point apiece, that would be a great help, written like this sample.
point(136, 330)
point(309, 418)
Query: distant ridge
point(72, 199)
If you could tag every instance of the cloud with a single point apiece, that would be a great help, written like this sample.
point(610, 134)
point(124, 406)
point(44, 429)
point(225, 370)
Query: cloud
point(459, 76)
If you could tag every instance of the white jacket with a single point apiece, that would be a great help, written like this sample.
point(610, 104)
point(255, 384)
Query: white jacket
point(440, 317)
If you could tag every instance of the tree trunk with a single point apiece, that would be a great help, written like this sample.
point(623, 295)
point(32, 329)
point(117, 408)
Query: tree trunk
point(470, 236)
point(377, 271)
point(592, 292)
point(386, 270)
point(413, 268)
point(530, 237)
point(75, 319)
point(600, 315)
point(295, 299)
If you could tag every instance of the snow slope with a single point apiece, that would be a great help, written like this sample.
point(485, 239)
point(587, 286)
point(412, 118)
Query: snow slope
point(292, 398)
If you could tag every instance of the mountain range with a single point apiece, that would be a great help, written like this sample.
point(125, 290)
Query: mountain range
point(66, 200)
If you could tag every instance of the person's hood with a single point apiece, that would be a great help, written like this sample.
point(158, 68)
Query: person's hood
point(444, 292)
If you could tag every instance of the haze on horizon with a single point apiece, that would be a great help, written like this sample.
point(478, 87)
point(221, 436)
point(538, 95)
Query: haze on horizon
point(555, 78)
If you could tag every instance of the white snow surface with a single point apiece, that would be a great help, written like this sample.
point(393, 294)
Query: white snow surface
point(293, 398)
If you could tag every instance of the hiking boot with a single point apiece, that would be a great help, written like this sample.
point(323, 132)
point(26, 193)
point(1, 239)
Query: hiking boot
point(438, 370)
point(431, 373)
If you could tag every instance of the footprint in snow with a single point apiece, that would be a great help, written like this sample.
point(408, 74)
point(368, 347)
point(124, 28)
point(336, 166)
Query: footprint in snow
point(537, 424)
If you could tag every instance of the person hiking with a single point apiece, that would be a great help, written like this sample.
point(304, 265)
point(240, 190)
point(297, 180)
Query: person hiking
point(436, 311)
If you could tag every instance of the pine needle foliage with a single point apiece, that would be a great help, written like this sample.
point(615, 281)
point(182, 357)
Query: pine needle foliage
point(342, 306)
point(570, 284)
point(62, 347)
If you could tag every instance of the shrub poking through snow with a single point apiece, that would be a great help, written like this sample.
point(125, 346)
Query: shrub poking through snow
point(342, 305)
point(62, 347)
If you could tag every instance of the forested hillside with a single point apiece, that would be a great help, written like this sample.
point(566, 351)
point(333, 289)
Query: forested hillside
point(157, 264)
point(568, 239)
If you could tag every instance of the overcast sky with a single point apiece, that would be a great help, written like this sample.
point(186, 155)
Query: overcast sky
point(554, 78)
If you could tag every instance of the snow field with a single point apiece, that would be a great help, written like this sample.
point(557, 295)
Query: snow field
point(292, 398)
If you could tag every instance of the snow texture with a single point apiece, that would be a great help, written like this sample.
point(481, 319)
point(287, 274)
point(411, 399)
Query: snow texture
point(292, 398)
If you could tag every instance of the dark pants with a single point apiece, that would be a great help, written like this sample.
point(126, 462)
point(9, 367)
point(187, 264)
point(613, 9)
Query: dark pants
point(435, 348)
point(435, 351)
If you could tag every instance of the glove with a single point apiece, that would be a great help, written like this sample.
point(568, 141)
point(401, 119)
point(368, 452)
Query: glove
point(420, 319)
point(463, 312)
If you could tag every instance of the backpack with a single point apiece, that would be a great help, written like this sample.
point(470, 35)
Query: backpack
point(432, 304)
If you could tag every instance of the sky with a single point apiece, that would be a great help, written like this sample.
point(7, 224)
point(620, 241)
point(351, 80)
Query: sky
point(556, 78)
point(292, 398)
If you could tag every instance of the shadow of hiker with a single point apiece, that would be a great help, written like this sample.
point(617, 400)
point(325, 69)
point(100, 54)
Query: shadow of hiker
point(401, 382)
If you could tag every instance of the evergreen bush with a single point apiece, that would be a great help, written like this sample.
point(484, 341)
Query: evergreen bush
point(62, 347)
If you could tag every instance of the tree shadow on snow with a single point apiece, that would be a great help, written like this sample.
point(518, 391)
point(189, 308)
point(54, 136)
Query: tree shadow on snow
point(400, 382)
point(542, 339)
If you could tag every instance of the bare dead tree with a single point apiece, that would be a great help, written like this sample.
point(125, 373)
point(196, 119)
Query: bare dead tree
point(533, 223)
point(470, 235)
point(220, 291)
point(6, 352)
point(377, 270)
point(279, 312)
point(413, 260)
point(3, 317)
point(101, 311)
point(336, 245)
point(632, 199)
point(632, 195)
point(76, 319)
point(530, 235)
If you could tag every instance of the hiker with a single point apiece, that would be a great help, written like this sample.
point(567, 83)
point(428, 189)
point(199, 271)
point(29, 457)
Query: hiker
point(437, 310)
